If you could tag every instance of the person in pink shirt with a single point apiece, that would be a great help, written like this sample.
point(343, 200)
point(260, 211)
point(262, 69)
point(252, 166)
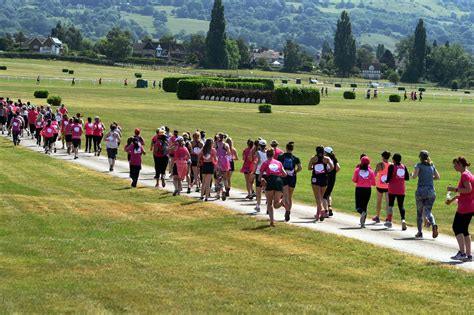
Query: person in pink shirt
point(64, 123)
point(48, 134)
point(276, 150)
point(180, 165)
point(364, 179)
point(55, 126)
point(247, 168)
point(397, 175)
point(32, 116)
point(465, 209)
point(38, 128)
point(76, 134)
point(273, 183)
point(171, 147)
point(63, 110)
point(89, 127)
point(223, 167)
point(135, 149)
point(98, 134)
point(15, 126)
point(68, 134)
point(207, 161)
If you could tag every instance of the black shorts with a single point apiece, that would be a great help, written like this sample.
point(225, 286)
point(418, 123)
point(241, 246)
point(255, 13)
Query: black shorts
point(382, 190)
point(258, 183)
point(461, 223)
point(111, 153)
point(32, 128)
point(194, 160)
point(76, 143)
point(274, 183)
point(320, 180)
point(3, 120)
point(232, 166)
point(55, 137)
point(68, 138)
point(175, 170)
point(289, 181)
point(208, 168)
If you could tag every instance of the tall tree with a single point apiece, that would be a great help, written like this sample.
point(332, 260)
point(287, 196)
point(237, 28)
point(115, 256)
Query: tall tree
point(20, 38)
point(344, 46)
point(233, 53)
point(216, 41)
point(417, 57)
point(117, 44)
point(326, 51)
point(244, 52)
point(388, 59)
point(292, 55)
point(380, 51)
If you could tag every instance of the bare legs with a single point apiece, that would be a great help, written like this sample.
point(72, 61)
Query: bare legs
point(318, 192)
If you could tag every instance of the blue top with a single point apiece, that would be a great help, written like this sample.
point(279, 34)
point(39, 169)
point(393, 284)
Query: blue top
point(425, 174)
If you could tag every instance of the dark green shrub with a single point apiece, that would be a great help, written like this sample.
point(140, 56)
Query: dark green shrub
point(170, 84)
point(394, 98)
point(454, 85)
point(349, 95)
point(265, 108)
point(337, 85)
point(3, 67)
point(245, 85)
point(422, 89)
point(54, 100)
point(467, 92)
point(71, 71)
point(138, 75)
point(401, 88)
point(189, 89)
point(41, 94)
point(65, 70)
point(252, 94)
point(268, 83)
point(296, 96)
point(284, 81)
point(353, 85)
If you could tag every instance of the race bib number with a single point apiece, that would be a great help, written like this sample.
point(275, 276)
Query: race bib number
point(364, 174)
point(314, 180)
point(319, 168)
point(15, 124)
point(76, 129)
point(49, 130)
point(401, 172)
point(383, 179)
point(273, 167)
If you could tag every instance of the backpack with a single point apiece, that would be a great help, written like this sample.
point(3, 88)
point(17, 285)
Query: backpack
point(288, 163)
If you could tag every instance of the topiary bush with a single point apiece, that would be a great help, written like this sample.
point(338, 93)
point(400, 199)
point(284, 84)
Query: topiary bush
point(349, 95)
point(296, 96)
point(338, 85)
point(54, 100)
point(422, 89)
point(138, 75)
point(189, 89)
point(41, 94)
point(454, 85)
point(353, 85)
point(401, 88)
point(65, 70)
point(467, 92)
point(265, 108)
point(394, 98)
point(71, 71)
point(3, 67)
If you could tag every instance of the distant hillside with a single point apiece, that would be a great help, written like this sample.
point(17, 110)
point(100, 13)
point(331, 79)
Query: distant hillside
point(263, 22)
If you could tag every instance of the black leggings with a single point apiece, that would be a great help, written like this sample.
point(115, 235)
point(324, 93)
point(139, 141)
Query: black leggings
point(88, 143)
point(330, 187)
point(161, 163)
point(362, 198)
point(134, 173)
point(400, 201)
point(97, 140)
point(461, 223)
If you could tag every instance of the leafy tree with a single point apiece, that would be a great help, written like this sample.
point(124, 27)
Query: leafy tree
point(417, 57)
point(380, 51)
point(20, 38)
point(69, 35)
point(449, 63)
point(393, 77)
point(292, 53)
point(364, 56)
point(197, 46)
point(233, 53)
point(344, 46)
point(216, 45)
point(117, 44)
point(244, 54)
point(326, 51)
point(388, 59)
point(6, 42)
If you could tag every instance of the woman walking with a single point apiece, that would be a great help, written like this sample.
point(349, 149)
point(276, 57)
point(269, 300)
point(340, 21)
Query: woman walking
point(248, 168)
point(89, 135)
point(180, 165)
point(112, 139)
point(98, 133)
point(327, 197)
point(381, 170)
point(159, 146)
point(261, 157)
point(291, 165)
point(232, 156)
point(135, 149)
point(76, 134)
point(397, 175)
point(465, 210)
point(206, 161)
point(425, 194)
point(223, 167)
point(364, 178)
point(196, 148)
point(320, 165)
point(48, 134)
point(273, 169)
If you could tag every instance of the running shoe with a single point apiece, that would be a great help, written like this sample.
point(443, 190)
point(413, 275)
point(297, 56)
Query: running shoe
point(112, 169)
point(201, 198)
point(363, 216)
point(404, 225)
point(468, 258)
point(175, 193)
point(287, 216)
point(163, 183)
point(257, 208)
point(224, 197)
point(376, 219)
point(326, 215)
point(197, 189)
point(459, 256)
point(254, 194)
point(330, 213)
point(435, 231)
point(419, 236)
point(322, 216)
point(227, 192)
point(388, 224)
point(189, 190)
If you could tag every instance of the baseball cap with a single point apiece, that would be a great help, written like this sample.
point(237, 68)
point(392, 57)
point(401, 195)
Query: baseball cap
point(262, 142)
point(137, 131)
point(328, 150)
point(365, 160)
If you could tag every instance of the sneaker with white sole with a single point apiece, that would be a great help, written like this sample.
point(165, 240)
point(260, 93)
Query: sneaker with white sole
point(419, 236)
point(388, 224)
point(363, 216)
point(468, 259)
point(459, 256)
point(404, 225)
point(257, 208)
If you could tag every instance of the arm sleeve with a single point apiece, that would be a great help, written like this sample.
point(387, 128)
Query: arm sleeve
point(407, 175)
point(389, 173)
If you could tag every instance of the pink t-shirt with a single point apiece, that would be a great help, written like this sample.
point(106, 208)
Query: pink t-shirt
point(76, 131)
point(98, 129)
point(16, 124)
point(48, 131)
point(135, 154)
point(55, 126)
point(181, 153)
point(32, 116)
point(396, 186)
point(272, 167)
point(364, 178)
point(277, 153)
point(466, 201)
point(63, 110)
point(89, 129)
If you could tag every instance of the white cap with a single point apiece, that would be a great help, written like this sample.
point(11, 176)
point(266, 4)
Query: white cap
point(262, 142)
point(328, 150)
point(179, 138)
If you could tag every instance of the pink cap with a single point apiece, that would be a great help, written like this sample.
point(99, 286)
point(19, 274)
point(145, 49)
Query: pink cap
point(365, 160)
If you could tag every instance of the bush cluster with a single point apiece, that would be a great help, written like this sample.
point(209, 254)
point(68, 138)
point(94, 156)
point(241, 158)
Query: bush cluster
point(454, 85)
point(170, 84)
point(225, 92)
point(337, 85)
point(41, 94)
point(296, 96)
point(401, 88)
point(394, 98)
point(3, 67)
point(353, 85)
point(190, 88)
point(54, 100)
point(138, 75)
point(265, 108)
point(65, 70)
point(268, 83)
point(71, 71)
point(349, 95)
point(422, 89)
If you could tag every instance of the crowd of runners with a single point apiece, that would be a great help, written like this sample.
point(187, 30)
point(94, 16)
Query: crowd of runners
point(207, 164)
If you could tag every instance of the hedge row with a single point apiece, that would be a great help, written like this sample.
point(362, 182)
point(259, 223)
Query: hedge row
point(189, 89)
point(349, 95)
point(265, 108)
point(296, 96)
point(170, 84)
point(269, 84)
point(138, 75)
point(41, 94)
point(220, 92)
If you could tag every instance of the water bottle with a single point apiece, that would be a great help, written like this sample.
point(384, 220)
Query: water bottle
point(449, 196)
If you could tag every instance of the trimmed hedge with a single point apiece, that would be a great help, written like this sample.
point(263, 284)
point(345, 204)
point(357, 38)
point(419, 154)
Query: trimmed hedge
point(422, 90)
point(170, 84)
point(41, 94)
point(349, 95)
point(268, 83)
point(54, 100)
point(296, 96)
point(3, 67)
point(71, 71)
point(65, 70)
point(401, 88)
point(225, 92)
point(394, 98)
point(353, 85)
point(189, 89)
point(265, 108)
point(138, 75)
point(337, 85)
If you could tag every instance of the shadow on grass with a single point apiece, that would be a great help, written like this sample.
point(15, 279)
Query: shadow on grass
point(443, 263)
point(380, 230)
point(258, 228)
point(303, 222)
point(351, 228)
point(248, 214)
point(124, 188)
point(408, 239)
point(187, 203)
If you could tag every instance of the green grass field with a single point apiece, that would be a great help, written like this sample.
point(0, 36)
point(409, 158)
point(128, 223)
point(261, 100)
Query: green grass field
point(440, 124)
point(77, 241)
